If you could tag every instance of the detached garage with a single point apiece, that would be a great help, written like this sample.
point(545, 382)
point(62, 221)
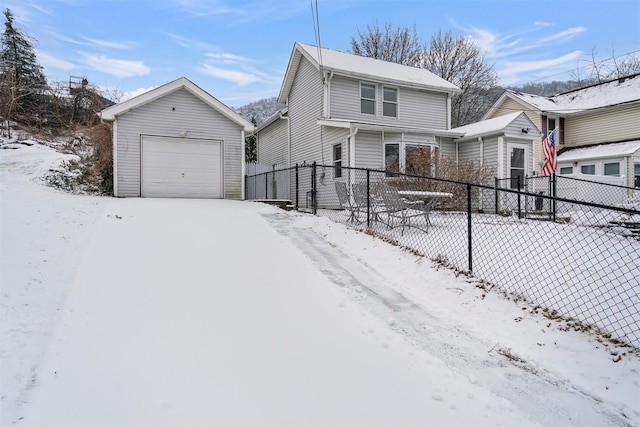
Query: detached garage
point(177, 141)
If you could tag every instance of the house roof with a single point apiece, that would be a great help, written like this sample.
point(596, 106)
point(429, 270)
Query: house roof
point(111, 113)
point(616, 149)
point(602, 95)
point(492, 126)
point(362, 68)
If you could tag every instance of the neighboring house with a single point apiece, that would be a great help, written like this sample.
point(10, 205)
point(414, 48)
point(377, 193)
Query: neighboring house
point(504, 142)
point(587, 118)
point(177, 141)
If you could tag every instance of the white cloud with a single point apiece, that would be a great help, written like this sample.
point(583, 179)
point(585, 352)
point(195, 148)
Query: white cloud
point(116, 67)
point(228, 58)
point(563, 35)
point(128, 95)
point(109, 44)
point(510, 70)
point(238, 77)
point(49, 61)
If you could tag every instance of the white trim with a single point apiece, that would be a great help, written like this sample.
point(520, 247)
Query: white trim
point(525, 147)
point(375, 98)
point(111, 113)
point(502, 167)
point(114, 141)
point(397, 101)
point(243, 164)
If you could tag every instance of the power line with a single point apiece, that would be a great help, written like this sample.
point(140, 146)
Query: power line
point(591, 64)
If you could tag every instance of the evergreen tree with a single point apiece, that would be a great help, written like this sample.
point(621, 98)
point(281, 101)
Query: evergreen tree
point(21, 76)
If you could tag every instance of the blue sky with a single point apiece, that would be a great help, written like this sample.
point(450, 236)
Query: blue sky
point(238, 50)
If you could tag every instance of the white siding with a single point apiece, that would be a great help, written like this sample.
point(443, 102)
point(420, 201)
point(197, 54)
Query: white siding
point(178, 114)
point(416, 108)
point(273, 143)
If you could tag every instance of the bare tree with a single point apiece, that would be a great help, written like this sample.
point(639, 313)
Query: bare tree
point(458, 60)
point(602, 70)
point(399, 44)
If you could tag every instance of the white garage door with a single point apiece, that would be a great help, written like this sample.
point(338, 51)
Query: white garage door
point(181, 167)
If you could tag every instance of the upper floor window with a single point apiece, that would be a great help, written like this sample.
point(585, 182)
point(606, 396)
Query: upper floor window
point(390, 102)
point(367, 98)
point(551, 125)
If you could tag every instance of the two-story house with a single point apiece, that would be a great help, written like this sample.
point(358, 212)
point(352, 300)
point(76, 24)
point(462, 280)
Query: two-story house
point(598, 128)
point(347, 110)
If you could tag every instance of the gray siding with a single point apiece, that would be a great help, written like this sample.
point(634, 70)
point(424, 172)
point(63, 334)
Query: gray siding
point(416, 108)
point(305, 108)
point(491, 153)
point(272, 143)
point(173, 115)
point(447, 147)
point(369, 152)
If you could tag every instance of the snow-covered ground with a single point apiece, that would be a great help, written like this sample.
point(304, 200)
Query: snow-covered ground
point(184, 312)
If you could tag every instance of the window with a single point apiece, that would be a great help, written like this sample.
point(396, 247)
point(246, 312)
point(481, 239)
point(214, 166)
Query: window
point(612, 169)
point(389, 102)
point(567, 170)
point(636, 175)
point(367, 98)
point(551, 124)
point(588, 169)
point(517, 166)
point(410, 157)
point(337, 161)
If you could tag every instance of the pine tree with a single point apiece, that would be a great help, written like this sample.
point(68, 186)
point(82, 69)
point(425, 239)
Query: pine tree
point(21, 75)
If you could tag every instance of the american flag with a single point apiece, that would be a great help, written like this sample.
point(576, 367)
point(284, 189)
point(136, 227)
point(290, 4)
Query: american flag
point(550, 158)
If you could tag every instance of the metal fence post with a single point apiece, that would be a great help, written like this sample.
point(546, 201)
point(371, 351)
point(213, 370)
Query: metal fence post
point(368, 198)
point(297, 188)
point(519, 199)
point(553, 193)
point(469, 241)
point(313, 188)
point(495, 186)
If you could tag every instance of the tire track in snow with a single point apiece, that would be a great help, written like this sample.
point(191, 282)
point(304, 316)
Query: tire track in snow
point(534, 392)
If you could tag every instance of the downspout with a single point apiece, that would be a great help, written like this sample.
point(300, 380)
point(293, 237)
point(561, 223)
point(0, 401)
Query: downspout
point(243, 163)
point(351, 147)
point(288, 137)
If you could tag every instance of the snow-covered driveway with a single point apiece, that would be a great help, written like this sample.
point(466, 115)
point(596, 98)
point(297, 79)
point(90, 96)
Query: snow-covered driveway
point(184, 312)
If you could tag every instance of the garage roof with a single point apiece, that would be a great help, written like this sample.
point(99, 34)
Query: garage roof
point(112, 112)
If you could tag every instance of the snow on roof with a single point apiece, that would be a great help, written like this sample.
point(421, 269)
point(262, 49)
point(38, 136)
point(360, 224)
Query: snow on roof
point(363, 67)
point(617, 149)
point(485, 127)
point(601, 95)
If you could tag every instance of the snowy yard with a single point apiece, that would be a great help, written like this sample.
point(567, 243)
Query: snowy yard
point(185, 312)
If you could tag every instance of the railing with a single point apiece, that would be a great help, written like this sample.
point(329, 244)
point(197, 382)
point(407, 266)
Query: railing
point(581, 265)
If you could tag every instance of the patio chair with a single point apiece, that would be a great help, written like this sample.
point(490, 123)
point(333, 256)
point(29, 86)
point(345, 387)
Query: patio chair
point(396, 207)
point(346, 202)
point(360, 196)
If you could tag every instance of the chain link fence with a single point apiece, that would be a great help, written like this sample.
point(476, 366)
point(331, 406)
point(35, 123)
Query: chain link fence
point(581, 264)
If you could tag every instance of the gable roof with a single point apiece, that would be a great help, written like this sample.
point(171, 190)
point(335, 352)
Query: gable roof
point(111, 113)
point(361, 67)
point(602, 95)
point(493, 126)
